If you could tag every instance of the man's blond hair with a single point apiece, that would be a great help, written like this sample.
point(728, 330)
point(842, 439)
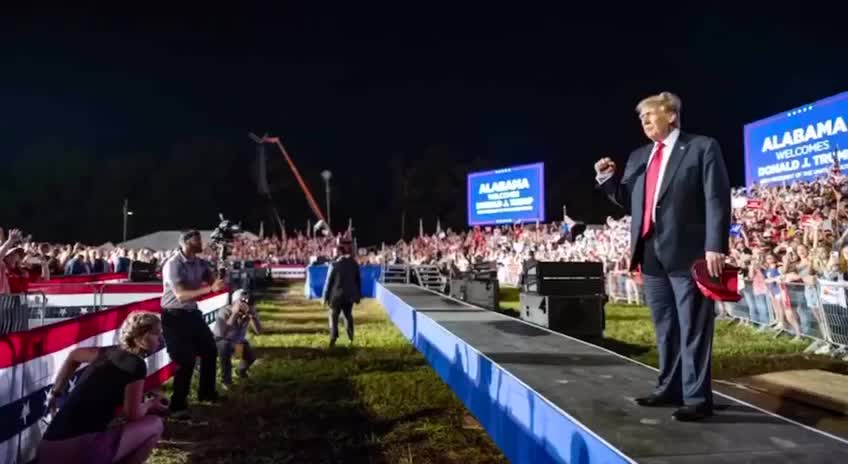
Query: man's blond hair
point(668, 101)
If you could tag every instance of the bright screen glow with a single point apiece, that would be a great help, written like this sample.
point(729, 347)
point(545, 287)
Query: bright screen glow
point(509, 195)
point(797, 144)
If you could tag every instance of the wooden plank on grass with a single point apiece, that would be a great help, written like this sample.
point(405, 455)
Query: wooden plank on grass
point(823, 389)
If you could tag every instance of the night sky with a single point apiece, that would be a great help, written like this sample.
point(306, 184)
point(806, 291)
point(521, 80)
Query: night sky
point(136, 98)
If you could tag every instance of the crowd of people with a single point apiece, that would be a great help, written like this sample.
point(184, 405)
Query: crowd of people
point(773, 220)
point(794, 227)
point(509, 246)
point(25, 261)
point(295, 249)
point(783, 237)
point(786, 239)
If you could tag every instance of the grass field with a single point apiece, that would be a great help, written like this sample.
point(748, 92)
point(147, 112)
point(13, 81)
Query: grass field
point(379, 402)
point(738, 351)
point(375, 402)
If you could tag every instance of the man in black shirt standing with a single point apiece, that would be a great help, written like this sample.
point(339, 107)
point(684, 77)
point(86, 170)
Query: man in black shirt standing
point(342, 291)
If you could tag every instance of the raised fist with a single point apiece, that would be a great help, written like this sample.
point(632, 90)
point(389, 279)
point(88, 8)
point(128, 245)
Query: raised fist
point(605, 166)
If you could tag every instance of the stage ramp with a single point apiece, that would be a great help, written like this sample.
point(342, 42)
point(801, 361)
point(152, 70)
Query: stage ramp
point(547, 398)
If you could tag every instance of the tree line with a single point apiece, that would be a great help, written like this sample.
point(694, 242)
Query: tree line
point(63, 193)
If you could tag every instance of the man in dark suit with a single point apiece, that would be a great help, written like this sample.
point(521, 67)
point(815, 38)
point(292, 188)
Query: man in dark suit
point(342, 291)
point(678, 195)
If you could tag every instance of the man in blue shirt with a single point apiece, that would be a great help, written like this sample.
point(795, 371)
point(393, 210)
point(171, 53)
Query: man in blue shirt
point(77, 266)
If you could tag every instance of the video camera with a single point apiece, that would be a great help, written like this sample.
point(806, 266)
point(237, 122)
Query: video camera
point(226, 231)
point(222, 236)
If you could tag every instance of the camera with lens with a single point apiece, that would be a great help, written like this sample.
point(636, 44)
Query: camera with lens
point(222, 236)
point(225, 232)
point(247, 300)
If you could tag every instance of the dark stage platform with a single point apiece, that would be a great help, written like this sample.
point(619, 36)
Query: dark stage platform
point(590, 387)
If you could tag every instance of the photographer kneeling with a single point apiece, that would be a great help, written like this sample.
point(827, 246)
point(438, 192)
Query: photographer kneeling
point(80, 431)
point(185, 278)
point(231, 335)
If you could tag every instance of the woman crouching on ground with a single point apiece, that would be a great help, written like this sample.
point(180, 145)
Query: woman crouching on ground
point(80, 431)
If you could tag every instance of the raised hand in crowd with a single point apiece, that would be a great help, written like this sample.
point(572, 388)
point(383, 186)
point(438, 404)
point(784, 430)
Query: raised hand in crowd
point(15, 235)
point(13, 238)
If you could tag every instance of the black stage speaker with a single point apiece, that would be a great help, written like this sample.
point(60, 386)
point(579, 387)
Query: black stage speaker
point(565, 279)
point(477, 292)
point(142, 272)
point(565, 297)
point(577, 316)
point(478, 287)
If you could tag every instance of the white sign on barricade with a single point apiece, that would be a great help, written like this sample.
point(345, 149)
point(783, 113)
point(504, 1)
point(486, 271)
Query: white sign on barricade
point(283, 272)
point(832, 293)
point(834, 311)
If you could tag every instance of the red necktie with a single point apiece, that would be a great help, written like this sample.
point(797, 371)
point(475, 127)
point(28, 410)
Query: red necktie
point(651, 177)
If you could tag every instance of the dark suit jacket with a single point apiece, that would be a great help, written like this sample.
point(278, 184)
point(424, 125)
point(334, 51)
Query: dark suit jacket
point(693, 205)
point(344, 284)
point(77, 267)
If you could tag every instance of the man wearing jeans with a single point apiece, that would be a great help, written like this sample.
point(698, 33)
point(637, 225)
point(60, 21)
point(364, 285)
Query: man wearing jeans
point(186, 278)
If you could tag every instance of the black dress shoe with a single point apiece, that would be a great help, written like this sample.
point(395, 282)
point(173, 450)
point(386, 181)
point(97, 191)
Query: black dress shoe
point(692, 413)
point(654, 401)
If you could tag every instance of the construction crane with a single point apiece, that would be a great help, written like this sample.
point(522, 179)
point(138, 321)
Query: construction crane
point(313, 205)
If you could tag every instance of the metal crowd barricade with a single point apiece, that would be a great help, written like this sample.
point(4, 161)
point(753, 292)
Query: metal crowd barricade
point(623, 287)
point(21, 311)
point(98, 297)
point(37, 304)
point(14, 313)
point(102, 302)
point(819, 310)
point(58, 312)
point(835, 312)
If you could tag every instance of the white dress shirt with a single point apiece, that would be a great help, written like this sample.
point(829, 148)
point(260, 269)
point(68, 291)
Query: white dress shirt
point(668, 151)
